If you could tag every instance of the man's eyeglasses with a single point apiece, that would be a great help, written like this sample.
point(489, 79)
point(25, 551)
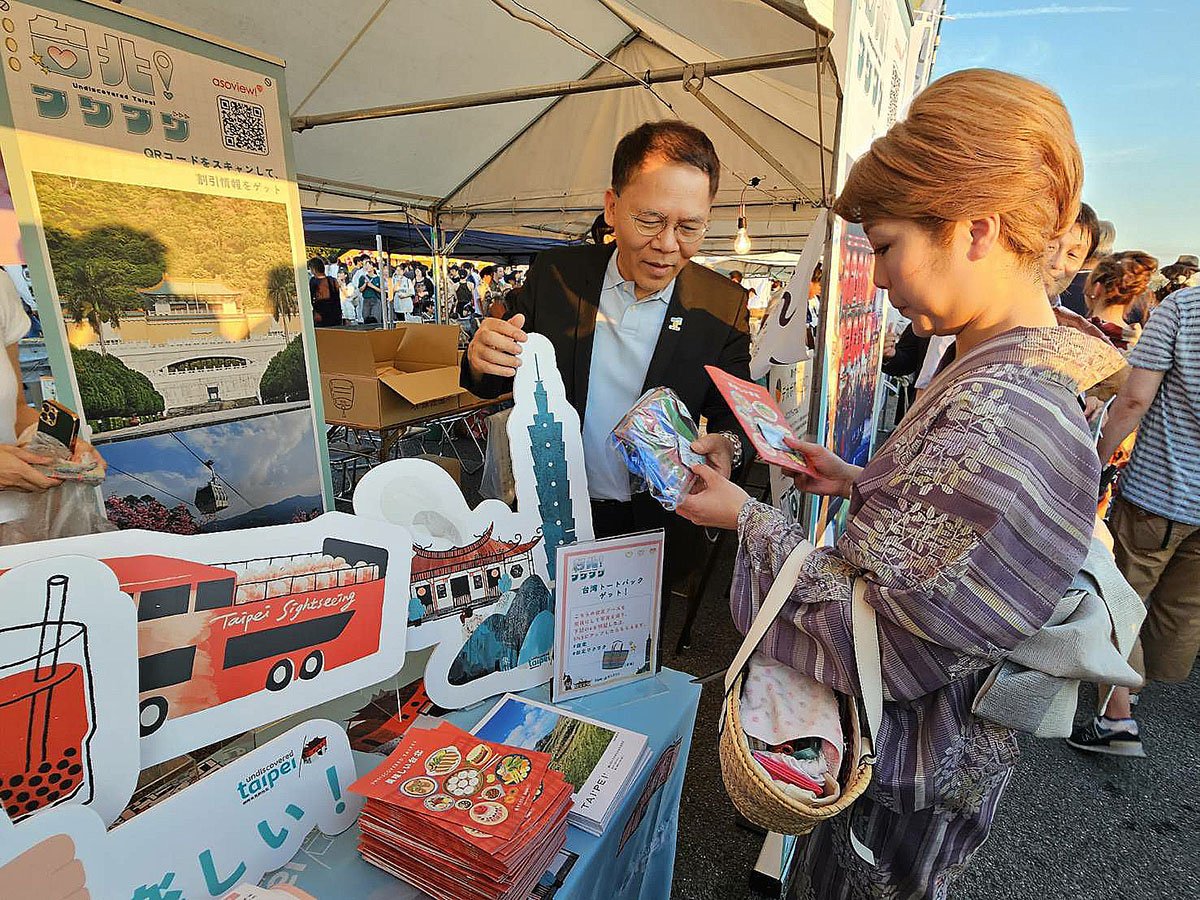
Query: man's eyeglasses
point(686, 232)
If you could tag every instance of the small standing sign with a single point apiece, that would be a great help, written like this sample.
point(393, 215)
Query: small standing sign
point(606, 620)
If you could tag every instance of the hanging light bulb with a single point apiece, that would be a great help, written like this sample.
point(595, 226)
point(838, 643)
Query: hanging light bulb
point(741, 241)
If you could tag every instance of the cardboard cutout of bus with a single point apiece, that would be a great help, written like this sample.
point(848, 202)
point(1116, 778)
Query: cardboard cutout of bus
point(238, 629)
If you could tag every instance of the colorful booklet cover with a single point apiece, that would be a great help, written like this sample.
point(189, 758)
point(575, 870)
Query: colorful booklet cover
point(599, 760)
point(763, 420)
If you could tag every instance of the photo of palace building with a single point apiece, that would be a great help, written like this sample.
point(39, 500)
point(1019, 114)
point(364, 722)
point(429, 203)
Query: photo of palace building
point(198, 343)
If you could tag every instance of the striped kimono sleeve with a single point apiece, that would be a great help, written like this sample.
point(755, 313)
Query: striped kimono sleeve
point(967, 530)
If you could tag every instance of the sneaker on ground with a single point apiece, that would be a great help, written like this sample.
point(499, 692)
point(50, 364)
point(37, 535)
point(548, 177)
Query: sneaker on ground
point(1094, 737)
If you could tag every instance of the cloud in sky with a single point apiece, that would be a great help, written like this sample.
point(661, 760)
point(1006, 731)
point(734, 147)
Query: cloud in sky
point(1056, 10)
point(537, 724)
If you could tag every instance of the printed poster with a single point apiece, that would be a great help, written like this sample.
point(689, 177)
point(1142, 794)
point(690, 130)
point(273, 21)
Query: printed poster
point(854, 360)
point(606, 614)
point(166, 251)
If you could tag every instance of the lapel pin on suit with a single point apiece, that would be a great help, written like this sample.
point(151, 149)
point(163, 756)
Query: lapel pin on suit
point(676, 323)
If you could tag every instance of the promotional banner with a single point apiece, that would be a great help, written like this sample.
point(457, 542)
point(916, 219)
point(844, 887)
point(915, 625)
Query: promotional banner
point(873, 58)
point(236, 630)
point(606, 610)
point(230, 828)
point(782, 339)
point(150, 172)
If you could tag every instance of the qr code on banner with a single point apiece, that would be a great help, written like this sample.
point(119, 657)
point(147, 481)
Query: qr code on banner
point(243, 125)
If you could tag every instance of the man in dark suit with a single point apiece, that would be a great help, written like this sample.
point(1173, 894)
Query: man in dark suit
point(634, 315)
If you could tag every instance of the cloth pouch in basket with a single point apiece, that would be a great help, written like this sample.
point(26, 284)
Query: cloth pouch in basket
point(785, 808)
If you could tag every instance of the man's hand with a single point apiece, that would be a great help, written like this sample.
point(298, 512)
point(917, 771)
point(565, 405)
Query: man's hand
point(496, 347)
point(718, 450)
point(17, 472)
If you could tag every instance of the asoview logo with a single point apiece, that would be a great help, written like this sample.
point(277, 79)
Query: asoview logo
point(267, 777)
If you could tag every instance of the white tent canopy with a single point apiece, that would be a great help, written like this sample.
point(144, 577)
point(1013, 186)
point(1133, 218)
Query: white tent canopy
point(538, 166)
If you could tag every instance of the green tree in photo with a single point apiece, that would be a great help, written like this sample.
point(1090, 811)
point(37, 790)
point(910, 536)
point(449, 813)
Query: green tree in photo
point(110, 389)
point(281, 293)
point(90, 292)
point(286, 377)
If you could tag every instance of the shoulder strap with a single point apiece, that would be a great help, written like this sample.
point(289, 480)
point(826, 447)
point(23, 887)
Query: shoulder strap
point(867, 660)
point(769, 611)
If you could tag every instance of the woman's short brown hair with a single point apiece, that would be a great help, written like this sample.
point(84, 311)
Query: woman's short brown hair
point(975, 143)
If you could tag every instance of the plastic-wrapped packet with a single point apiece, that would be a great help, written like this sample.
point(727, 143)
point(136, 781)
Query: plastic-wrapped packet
point(654, 438)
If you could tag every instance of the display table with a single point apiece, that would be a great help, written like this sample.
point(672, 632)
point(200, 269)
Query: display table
point(633, 859)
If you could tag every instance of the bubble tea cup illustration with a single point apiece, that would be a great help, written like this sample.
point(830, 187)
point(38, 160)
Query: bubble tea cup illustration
point(47, 713)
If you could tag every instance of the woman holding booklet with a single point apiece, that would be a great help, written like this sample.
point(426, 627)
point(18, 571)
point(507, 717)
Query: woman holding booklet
point(971, 521)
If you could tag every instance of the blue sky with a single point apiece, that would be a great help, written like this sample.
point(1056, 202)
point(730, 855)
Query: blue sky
point(518, 724)
point(1128, 73)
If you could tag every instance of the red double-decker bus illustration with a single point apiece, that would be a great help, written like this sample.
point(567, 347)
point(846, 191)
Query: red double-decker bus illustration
point(208, 634)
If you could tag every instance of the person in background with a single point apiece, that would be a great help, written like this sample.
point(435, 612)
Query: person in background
point(903, 357)
point(372, 295)
point(426, 297)
point(1155, 518)
point(349, 297)
point(1065, 254)
point(326, 295)
point(735, 276)
point(403, 293)
point(1072, 296)
point(464, 300)
point(18, 477)
point(1179, 274)
point(963, 554)
point(1113, 286)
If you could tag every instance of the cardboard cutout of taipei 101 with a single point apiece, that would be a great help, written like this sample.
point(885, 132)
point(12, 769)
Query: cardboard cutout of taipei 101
point(483, 579)
point(239, 628)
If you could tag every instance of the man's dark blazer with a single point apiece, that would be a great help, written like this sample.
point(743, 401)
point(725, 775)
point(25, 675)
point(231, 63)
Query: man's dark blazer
point(561, 296)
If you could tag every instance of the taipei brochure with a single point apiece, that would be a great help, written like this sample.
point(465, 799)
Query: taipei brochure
point(600, 761)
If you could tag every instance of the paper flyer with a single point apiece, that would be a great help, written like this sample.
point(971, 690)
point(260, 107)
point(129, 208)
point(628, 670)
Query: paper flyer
point(606, 620)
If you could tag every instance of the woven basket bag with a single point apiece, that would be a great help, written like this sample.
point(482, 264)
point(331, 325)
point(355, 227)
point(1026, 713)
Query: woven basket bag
point(783, 808)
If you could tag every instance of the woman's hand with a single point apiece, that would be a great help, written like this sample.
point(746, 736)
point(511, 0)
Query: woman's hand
point(85, 452)
point(17, 472)
point(829, 475)
point(715, 502)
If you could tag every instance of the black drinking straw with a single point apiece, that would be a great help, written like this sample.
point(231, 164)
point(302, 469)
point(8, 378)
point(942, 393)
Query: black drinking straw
point(56, 596)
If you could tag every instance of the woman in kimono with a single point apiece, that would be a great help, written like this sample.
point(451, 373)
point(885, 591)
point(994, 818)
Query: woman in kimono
point(973, 518)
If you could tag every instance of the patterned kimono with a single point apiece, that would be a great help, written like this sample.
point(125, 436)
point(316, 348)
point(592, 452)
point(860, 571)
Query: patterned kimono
point(968, 526)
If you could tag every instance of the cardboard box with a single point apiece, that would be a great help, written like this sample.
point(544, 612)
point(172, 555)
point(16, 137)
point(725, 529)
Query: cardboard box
point(385, 377)
point(452, 466)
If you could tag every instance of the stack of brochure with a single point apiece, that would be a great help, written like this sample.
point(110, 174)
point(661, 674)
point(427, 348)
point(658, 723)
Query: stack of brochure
point(463, 818)
point(600, 761)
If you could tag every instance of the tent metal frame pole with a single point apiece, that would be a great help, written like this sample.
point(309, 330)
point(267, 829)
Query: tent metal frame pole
point(695, 86)
point(665, 75)
point(435, 247)
point(545, 210)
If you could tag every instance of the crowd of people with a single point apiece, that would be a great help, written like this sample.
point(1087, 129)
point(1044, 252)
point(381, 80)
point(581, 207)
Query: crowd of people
point(356, 293)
